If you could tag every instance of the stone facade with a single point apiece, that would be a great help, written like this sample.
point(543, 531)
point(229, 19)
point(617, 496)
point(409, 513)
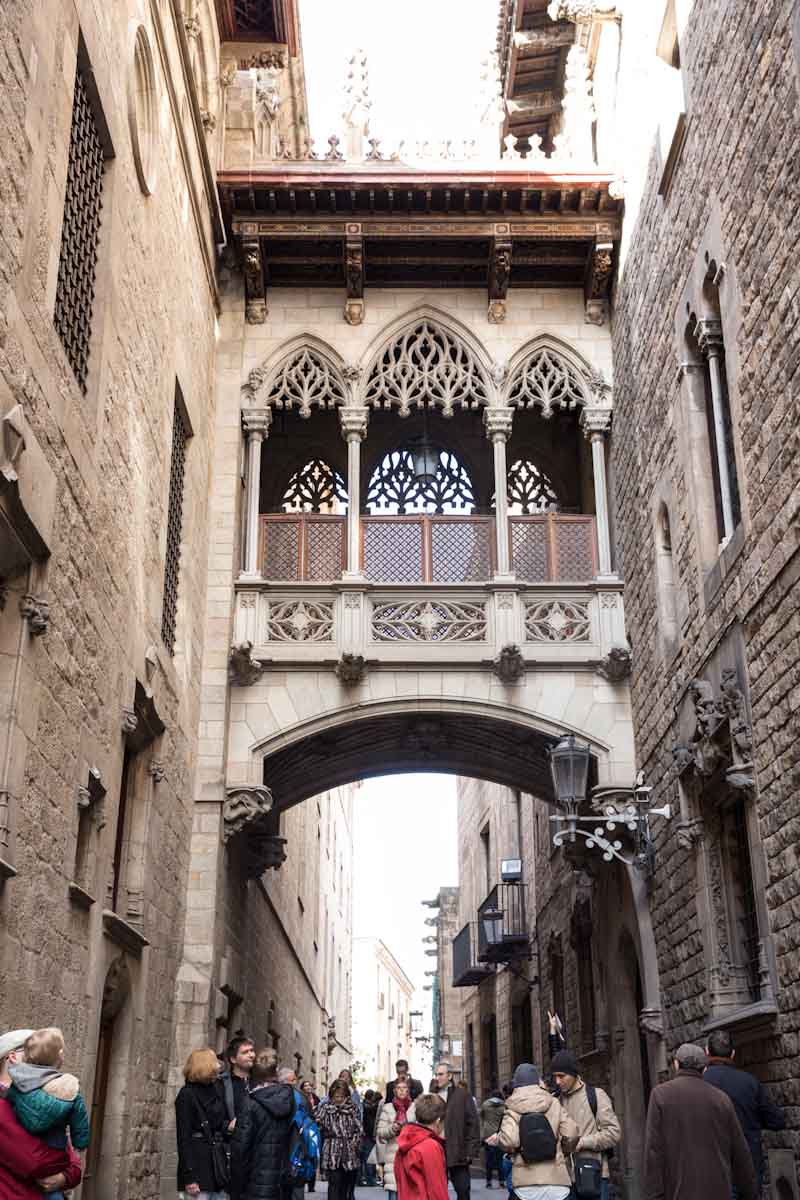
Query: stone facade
point(382, 994)
point(448, 1031)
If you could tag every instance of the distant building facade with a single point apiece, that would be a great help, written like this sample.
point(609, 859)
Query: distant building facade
point(448, 1032)
point(382, 995)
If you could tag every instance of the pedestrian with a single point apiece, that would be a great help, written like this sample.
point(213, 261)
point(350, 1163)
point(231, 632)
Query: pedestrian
point(340, 1125)
point(203, 1130)
point(491, 1115)
point(393, 1116)
point(369, 1120)
point(312, 1099)
point(461, 1129)
point(262, 1133)
point(28, 1167)
point(420, 1164)
point(47, 1100)
point(694, 1148)
point(598, 1125)
point(403, 1074)
point(239, 1056)
point(537, 1133)
point(749, 1097)
point(346, 1076)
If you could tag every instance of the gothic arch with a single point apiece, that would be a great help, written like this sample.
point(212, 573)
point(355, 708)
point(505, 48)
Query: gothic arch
point(426, 355)
point(303, 373)
point(547, 373)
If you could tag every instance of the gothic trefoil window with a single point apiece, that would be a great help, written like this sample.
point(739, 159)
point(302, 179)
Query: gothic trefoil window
point(83, 200)
point(315, 488)
point(180, 436)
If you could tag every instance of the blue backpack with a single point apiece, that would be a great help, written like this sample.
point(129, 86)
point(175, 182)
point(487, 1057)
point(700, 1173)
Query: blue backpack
point(304, 1145)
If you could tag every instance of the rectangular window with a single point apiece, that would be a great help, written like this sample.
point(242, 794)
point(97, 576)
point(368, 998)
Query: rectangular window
point(80, 233)
point(180, 435)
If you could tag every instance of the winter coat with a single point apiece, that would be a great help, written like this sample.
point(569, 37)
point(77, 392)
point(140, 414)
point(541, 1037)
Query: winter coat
point(753, 1106)
point(370, 1120)
point(262, 1144)
point(45, 1099)
point(491, 1115)
point(194, 1151)
point(387, 1144)
point(414, 1086)
point(340, 1127)
point(420, 1166)
point(694, 1148)
point(599, 1133)
point(536, 1099)
point(25, 1158)
point(461, 1127)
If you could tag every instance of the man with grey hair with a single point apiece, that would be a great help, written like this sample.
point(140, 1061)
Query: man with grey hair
point(694, 1146)
point(461, 1129)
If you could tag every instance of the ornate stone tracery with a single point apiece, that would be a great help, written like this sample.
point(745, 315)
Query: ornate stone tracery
point(395, 488)
point(529, 489)
point(546, 380)
point(315, 488)
point(426, 364)
point(429, 621)
point(306, 379)
point(557, 621)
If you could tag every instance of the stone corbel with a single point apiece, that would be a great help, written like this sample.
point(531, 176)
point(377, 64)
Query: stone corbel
point(499, 274)
point(509, 666)
point(36, 611)
point(690, 832)
point(351, 669)
point(354, 274)
point(255, 290)
point(651, 1022)
point(91, 798)
point(616, 666)
point(243, 669)
point(597, 284)
point(244, 806)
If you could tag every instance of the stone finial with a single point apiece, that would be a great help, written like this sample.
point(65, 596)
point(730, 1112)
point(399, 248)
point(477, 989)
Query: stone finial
point(491, 107)
point(574, 142)
point(357, 105)
point(509, 666)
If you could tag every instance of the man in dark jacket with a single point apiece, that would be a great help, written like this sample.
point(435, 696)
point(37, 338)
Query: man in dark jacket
point(753, 1106)
point(694, 1148)
point(461, 1129)
point(403, 1076)
point(261, 1142)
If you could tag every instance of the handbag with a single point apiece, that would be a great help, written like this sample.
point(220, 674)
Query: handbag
point(588, 1176)
point(220, 1151)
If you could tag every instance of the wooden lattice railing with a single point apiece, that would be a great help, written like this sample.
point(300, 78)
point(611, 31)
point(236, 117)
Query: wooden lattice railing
point(306, 547)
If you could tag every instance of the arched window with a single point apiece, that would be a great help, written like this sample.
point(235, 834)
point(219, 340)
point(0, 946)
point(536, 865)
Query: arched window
point(529, 489)
point(315, 488)
point(398, 486)
point(546, 380)
point(426, 364)
point(665, 574)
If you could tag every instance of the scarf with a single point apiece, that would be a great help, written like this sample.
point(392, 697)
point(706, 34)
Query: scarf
point(401, 1107)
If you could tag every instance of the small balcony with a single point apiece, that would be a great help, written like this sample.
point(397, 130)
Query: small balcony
point(467, 971)
point(311, 548)
point(502, 930)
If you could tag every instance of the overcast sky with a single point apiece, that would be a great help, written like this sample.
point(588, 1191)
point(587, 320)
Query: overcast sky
point(405, 850)
point(424, 64)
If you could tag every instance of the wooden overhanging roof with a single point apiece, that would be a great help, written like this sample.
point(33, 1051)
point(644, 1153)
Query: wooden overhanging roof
point(316, 223)
point(260, 21)
point(532, 51)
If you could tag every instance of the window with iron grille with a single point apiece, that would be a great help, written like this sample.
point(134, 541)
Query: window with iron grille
point(83, 201)
point(180, 436)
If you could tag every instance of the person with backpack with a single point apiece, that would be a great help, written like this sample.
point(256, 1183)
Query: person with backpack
point(491, 1115)
point(261, 1138)
point(537, 1133)
point(304, 1142)
point(598, 1127)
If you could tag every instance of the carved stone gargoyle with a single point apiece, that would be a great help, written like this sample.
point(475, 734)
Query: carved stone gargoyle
point(351, 669)
point(616, 666)
point(243, 669)
point(245, 815)
point(509, 666)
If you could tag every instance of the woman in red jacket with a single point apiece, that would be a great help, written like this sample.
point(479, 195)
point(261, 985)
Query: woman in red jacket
point(420, 1166)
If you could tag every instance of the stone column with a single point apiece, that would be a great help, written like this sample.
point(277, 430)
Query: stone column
point(498, 430)
point(709, 339)
point(596, 423)
point(255, 422)
point(354, 430)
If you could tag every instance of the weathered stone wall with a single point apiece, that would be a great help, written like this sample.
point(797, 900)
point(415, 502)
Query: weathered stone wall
point(107, 454)
point(732, 198)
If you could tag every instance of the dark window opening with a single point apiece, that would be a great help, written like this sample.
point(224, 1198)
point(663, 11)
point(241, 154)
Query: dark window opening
point(180, 436)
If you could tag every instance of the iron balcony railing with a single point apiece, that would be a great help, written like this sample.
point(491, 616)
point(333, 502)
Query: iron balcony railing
point(502, 931)
point(311, 548)
point(467, 971)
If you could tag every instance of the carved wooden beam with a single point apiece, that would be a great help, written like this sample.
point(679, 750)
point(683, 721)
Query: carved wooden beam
point(499, 275)
point(255, 289)
point(354, 273)
point(547, 39)
point(598, 282)
point(539, 104)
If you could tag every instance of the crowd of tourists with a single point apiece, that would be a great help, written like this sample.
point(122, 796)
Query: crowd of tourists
point(248, 1129)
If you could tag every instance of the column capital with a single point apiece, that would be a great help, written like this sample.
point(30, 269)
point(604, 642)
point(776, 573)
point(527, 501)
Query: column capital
point(498, 422)
point(596, 423)
point(708, 332)
point(354, 423)
point(256, 421)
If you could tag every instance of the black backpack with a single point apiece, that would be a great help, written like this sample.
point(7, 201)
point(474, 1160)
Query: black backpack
point(591, 1096)
point(537, 1142)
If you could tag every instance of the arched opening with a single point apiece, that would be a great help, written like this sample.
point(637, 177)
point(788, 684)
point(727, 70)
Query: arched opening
point(108, 1103)
point(665, 579)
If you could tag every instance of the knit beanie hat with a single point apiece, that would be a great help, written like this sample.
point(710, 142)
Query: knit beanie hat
point(526, 1075)
point(564, 1062)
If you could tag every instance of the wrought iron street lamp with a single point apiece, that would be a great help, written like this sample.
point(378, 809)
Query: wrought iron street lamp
point(492, 921)
point(613, 807)
point(425, 457)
